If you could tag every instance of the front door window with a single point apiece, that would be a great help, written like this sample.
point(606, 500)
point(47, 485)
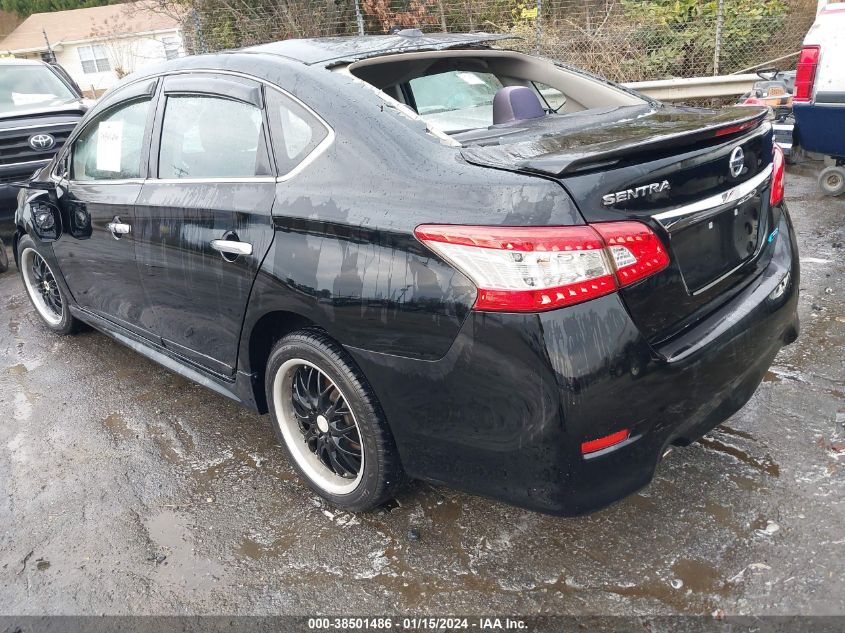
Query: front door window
point(110, 148)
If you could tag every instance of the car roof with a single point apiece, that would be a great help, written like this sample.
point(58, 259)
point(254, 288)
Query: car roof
point(332, 51)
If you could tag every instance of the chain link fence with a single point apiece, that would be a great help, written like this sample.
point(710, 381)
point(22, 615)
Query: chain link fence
point(624, 40)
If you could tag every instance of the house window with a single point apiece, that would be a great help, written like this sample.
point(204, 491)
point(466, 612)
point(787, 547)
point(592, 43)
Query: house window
point(171, 47)
point(94, 59)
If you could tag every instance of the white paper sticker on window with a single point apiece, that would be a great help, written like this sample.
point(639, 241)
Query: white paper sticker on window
point(109, 141)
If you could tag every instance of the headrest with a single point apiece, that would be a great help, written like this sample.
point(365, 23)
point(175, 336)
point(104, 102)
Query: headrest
point(516, 103)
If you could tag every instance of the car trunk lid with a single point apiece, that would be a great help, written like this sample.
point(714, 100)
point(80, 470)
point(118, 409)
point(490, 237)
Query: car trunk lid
point(672, 169)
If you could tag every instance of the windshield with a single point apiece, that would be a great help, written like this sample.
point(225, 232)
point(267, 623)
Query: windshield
point(27, 87)
point(457, 99)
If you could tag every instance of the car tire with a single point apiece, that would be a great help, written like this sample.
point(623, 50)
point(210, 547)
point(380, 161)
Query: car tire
point(832, 180)
point(329, 420)
point(47, 297)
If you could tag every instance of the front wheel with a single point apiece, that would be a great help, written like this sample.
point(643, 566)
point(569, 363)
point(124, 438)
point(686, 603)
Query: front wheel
point(330, 422)
point(43, 289)
point(832, 180)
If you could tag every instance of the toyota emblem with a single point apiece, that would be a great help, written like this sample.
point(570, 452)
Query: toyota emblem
point(41, 142)
point(737, 162)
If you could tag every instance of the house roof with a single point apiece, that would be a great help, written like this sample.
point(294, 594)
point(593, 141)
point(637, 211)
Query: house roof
point(75, 25)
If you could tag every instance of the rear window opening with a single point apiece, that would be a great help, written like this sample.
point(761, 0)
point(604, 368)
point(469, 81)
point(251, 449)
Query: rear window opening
point(454, 91)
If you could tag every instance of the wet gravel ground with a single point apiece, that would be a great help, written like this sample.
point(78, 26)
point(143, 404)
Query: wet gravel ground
point(125, 489)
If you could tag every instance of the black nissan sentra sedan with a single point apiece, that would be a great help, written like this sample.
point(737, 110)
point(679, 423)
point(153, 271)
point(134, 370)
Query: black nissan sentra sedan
point(426, 256)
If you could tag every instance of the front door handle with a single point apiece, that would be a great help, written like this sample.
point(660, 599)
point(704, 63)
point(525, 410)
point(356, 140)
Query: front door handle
point(231, 247)
point(118, 229)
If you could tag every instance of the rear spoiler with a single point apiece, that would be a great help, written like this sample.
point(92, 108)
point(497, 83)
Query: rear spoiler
point(558, 155)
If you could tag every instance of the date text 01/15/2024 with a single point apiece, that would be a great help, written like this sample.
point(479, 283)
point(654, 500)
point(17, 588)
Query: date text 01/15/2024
point(417, 623)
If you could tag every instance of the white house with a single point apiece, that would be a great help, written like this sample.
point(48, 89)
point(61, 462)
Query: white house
point(98, 46)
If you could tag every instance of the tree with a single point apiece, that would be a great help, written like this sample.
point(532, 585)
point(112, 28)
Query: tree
point(678, 37)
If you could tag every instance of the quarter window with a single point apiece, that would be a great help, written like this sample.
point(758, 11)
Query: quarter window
point(295, 131)
point(553, 97)
point(111, 147)
point(94, 59)
point(210, 137)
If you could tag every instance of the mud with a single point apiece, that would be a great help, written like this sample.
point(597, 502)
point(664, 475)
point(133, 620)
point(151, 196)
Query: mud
point(126, 489)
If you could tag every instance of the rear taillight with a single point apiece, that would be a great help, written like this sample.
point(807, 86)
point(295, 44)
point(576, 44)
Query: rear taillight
point(805, 73)
point(530, 269)
point(637, 252)
point(776, 192)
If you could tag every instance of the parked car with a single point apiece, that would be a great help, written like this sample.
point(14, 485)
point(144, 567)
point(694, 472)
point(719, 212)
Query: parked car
point(526, 300)
point(819, 101)
point(39, 106)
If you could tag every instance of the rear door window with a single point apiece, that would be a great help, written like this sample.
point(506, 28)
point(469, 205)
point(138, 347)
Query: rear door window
point(457, 99)
point(210, 137)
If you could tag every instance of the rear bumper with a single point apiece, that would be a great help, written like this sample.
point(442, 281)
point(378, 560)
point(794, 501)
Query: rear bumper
point(504, 413)
point(821, 128)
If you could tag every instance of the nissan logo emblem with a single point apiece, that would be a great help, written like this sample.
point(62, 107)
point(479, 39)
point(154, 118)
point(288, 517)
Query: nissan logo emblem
point(41, 142)
point(737, 162)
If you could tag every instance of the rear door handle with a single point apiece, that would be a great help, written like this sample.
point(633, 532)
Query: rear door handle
point(231, 247)
point(118, 229)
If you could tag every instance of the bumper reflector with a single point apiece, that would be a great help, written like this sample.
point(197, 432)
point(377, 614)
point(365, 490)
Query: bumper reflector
point(604, 442)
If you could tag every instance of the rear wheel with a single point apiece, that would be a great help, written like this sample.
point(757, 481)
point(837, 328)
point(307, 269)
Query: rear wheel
point(329, 421)
point(43, 289)
point(832, 180)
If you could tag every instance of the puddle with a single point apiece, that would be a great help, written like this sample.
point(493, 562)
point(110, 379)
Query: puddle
point(170, 535)
point(168, 453)
point(771, 376)
point(239, 463)
point(117, 426)
point(746, 484)
point(173, 441)
point(676, 596)
point(700, 577)
point(18, 370)
point(764, 464)
point(722, 515)
point(256, 551)
point(735, 432)
point(444, 512)
point(687, 577)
